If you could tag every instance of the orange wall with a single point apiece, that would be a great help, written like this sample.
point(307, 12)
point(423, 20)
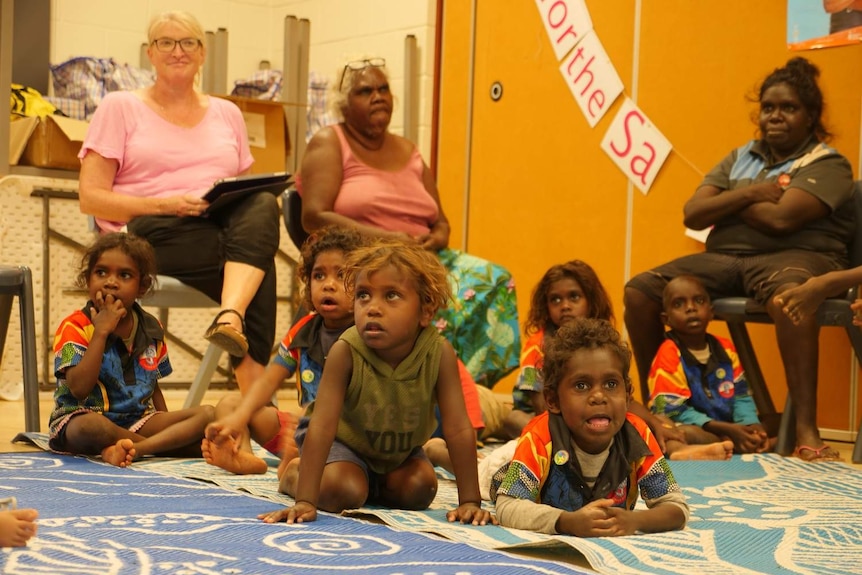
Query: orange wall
point(541, 190)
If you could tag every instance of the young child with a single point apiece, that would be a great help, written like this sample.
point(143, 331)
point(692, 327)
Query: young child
point(108, 359)
point(239, 419)
point(566, 292)
point(696, 379)
point(579, 466)
point(362, 438)
point(17, 526)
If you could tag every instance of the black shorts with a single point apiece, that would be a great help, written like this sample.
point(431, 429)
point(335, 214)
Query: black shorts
point(756, 276)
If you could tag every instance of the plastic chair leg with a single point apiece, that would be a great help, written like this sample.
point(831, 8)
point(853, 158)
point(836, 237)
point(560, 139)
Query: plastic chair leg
point(786, 443)
point(28, 353)
point(857, 448)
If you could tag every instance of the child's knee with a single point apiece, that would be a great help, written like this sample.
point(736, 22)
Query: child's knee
point(207, 412)
point(414, 490)
point(341, 489)
point(227, 404)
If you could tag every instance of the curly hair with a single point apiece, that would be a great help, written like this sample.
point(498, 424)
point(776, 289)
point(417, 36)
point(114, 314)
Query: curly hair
point(598, 301)
point(422, 266)
point(136, 248)
point(801, 75)
point(329, 238)
point(583, 333)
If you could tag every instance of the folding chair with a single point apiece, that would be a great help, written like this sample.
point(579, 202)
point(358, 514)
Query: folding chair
point(172, 293)
point(291, 207)
point(738, 311)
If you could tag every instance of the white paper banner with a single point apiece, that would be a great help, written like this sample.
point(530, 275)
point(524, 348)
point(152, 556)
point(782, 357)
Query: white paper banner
point(566, 22)
point(636, 146)
point(592, 78)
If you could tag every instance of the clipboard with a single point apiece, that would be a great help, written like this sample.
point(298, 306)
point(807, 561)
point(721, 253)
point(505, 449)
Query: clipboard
point(228, 190)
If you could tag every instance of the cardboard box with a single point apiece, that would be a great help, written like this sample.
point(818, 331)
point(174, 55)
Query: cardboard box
point(51, 142)
point(268, 137)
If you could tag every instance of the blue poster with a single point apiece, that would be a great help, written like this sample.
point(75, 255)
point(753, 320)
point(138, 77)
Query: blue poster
point(813, 24)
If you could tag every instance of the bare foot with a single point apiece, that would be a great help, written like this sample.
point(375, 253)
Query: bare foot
point(718, 451)
point(226, 455)
point(438, 453)
point(121, 454)
point(288, 448)
point(17, 526)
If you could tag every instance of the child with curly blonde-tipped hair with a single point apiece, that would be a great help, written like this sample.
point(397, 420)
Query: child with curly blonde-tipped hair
point(361, 440)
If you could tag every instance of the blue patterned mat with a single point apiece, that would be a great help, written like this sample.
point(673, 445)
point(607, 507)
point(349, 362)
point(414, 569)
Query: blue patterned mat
point(97, 519)
point(753, 514)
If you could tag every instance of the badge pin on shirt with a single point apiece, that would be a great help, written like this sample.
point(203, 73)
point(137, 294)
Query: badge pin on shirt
point(561, 457)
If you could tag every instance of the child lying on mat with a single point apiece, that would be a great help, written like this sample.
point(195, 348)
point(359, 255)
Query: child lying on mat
point(578, 467)
point(301, 354)
point(361, 440)
point(108, 359)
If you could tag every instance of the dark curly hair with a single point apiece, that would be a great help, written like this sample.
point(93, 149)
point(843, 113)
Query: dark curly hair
point(801, 75)
point(329, 238)
point(598, 301)
point(583, 333)
point(137, 248)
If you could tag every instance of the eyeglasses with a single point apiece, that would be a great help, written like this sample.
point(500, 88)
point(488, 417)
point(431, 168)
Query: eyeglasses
point(187, 45)
point(357, 65)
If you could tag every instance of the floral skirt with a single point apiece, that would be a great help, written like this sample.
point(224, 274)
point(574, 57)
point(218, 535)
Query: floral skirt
point(481, 322)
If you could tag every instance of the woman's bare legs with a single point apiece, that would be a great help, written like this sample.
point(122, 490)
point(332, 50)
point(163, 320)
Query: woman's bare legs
point(799, 348)
point(241, 282)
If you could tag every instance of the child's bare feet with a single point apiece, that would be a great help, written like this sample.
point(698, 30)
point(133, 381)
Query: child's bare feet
point(289, 450)
point(121, 454)
point(226, 455)
point(438, 453)
point(17, 526)
point(718, 451)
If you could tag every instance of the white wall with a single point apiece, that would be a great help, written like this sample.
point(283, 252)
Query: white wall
point(339, 29)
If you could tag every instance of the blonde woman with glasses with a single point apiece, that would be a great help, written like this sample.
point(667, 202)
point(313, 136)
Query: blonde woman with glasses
point(149, 157)
point(359, 174)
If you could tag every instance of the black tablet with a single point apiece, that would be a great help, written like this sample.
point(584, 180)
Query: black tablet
point(228, 190)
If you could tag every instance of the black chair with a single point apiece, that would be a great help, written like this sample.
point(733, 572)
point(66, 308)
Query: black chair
point(17, 281)
point(738, 311)
point(291, 208)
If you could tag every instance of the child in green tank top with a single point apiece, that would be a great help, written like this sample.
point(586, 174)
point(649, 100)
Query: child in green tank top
point(375, 405)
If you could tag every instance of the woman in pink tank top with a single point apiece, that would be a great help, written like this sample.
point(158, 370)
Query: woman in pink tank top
point(359, 174)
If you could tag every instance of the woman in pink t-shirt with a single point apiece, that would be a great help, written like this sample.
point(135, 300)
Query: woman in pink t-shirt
point(149, 157)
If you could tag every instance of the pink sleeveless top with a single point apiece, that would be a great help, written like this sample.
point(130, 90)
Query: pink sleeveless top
point(394, 201)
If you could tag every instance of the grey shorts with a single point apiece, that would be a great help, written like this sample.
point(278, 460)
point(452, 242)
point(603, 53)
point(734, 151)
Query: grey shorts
point(341, 452)
point(733, 275)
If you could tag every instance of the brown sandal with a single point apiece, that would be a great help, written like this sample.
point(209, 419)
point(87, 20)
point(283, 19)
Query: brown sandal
point(226, 336)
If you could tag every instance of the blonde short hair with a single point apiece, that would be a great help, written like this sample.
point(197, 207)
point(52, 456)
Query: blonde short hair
point(183, 19)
